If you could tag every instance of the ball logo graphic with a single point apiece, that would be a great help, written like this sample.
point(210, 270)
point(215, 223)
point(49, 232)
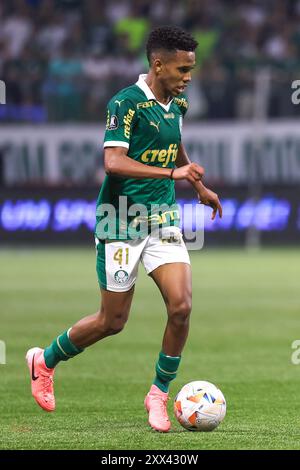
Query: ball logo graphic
point(121, 276)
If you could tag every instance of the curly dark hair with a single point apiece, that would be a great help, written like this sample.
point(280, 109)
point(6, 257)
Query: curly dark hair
point(170, 38)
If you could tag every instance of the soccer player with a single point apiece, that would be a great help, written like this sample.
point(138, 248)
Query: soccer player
point(143, 156)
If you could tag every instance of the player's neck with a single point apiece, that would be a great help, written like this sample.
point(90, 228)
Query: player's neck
point(158, 91)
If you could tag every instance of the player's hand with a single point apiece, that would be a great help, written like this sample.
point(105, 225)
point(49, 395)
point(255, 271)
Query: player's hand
point(192, 172)
point(209, 198)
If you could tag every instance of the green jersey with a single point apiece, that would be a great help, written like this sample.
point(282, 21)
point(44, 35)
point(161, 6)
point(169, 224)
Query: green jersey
point(151, 131)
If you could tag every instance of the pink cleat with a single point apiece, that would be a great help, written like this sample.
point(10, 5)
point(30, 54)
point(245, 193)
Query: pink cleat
point(156, 405)
point(41, 379)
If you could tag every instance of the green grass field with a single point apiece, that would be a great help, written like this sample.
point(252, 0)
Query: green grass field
point(245, 316)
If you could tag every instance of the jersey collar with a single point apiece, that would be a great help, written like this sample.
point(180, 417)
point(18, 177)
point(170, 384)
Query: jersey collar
point(150, 96)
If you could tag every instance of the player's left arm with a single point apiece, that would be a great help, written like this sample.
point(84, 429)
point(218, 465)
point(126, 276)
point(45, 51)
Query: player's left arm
point(206, 196)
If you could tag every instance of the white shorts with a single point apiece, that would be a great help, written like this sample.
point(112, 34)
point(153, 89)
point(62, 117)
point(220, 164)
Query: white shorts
point(118, 260)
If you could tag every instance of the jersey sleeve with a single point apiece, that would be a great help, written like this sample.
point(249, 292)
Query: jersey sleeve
point(120, 120)
point(185, 106)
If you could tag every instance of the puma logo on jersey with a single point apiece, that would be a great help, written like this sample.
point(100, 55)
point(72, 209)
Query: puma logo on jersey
point(155, 125)
point(119, 102)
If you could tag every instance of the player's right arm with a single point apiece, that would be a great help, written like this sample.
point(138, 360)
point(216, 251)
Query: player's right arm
point(121, 119)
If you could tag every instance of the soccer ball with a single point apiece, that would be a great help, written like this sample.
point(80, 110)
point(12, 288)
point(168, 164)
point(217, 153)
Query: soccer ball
point(200, 406)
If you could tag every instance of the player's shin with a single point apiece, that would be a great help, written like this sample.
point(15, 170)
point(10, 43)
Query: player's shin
point(166, 371)
point(61, 349)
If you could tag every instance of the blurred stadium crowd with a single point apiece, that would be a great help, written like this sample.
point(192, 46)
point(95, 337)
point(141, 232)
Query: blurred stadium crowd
point(62, 60)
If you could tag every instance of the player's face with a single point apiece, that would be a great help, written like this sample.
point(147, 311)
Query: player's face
point(176, 72)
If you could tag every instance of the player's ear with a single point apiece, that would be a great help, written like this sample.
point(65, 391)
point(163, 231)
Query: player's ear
point(157, 64)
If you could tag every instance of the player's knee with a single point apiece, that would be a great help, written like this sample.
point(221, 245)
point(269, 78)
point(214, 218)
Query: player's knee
point(115, 329)
point(108, 324)
point(179, 312)
point(115, 325)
